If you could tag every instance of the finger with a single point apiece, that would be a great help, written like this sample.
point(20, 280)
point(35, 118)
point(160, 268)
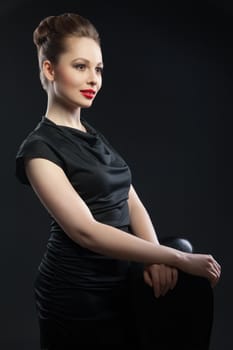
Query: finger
point(219, 269)
point(214, 278)
point(147, 278)
point(160, 280)
point(216, 269)
point(156, 282)
point(156, 288)
point(218, 265)
point(167, 280)
point(213, 283)
point(215, 263)
point(174, 278)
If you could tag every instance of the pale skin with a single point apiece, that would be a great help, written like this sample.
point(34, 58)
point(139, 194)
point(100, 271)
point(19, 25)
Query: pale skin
point(80, 68)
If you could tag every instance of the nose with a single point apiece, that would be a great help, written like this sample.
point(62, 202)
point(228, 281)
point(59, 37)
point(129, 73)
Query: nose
point(92, 83)
point(93, 78)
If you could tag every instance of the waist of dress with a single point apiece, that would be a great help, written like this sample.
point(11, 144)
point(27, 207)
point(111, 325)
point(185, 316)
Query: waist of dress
point(65, 263)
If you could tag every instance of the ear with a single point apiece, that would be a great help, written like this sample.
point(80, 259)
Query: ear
point(48, 70)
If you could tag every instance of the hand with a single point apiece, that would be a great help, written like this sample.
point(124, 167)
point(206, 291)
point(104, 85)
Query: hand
point(161, 277)
point(202, 265)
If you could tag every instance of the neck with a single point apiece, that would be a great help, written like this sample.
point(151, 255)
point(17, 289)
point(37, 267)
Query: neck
point(63, 116)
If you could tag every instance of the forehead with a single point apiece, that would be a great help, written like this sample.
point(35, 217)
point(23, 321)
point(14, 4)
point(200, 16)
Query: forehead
point(82, 47)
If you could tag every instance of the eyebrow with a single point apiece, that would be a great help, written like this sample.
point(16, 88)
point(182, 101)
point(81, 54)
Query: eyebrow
point(87, 61)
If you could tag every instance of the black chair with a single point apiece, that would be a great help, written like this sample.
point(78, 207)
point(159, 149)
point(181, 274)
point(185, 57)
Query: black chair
point(179, 243)
point(182, 319)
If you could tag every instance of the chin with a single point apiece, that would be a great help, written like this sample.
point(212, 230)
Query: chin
point(78, 104)
point(86, 105)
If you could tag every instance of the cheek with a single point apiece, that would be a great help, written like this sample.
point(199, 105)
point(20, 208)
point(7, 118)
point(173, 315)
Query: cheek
point(68, 79)
point(100, 83)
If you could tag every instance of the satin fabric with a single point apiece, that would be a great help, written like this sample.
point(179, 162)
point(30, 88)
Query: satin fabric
point(73, 282)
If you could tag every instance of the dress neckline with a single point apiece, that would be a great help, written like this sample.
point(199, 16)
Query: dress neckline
point(89, 129)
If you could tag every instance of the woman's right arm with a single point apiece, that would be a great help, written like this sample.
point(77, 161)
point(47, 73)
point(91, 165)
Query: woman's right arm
point(61, 200)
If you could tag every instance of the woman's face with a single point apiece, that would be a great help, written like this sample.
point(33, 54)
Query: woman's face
point(78, 73)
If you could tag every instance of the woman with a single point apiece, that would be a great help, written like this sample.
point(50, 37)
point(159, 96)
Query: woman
point(99, 226)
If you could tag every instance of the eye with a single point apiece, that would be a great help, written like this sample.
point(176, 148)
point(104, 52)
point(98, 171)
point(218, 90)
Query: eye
point(80, 66)
point(99, 70)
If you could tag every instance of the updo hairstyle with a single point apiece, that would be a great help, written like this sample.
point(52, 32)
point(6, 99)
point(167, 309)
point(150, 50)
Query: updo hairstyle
point(49, 37)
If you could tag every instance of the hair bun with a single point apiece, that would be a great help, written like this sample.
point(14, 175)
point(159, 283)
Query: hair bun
point(43, 31)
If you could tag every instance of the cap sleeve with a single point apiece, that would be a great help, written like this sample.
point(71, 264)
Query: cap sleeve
point(34, 149)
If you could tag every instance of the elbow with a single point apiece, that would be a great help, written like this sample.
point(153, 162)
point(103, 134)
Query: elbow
point(85, 236)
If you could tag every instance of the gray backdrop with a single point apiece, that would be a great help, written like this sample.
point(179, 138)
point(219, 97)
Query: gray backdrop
point(166, 105)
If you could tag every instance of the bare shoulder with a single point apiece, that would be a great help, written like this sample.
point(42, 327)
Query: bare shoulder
point(58, 196)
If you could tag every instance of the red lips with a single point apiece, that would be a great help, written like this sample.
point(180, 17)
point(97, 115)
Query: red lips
point(88, 93)
point(88, 90)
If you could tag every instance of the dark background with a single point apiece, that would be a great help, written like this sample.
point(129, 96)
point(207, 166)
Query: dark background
point(166, 105)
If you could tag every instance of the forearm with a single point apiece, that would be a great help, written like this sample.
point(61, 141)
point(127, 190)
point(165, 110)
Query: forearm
point(111, 241)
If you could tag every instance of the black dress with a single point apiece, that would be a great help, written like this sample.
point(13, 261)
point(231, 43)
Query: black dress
point(75, 288)
point(85, 298)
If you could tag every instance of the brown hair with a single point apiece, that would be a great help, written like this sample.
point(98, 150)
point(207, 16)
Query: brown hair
point(49, 37)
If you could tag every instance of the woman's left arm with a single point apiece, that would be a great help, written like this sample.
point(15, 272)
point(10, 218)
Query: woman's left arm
point(161, 277)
